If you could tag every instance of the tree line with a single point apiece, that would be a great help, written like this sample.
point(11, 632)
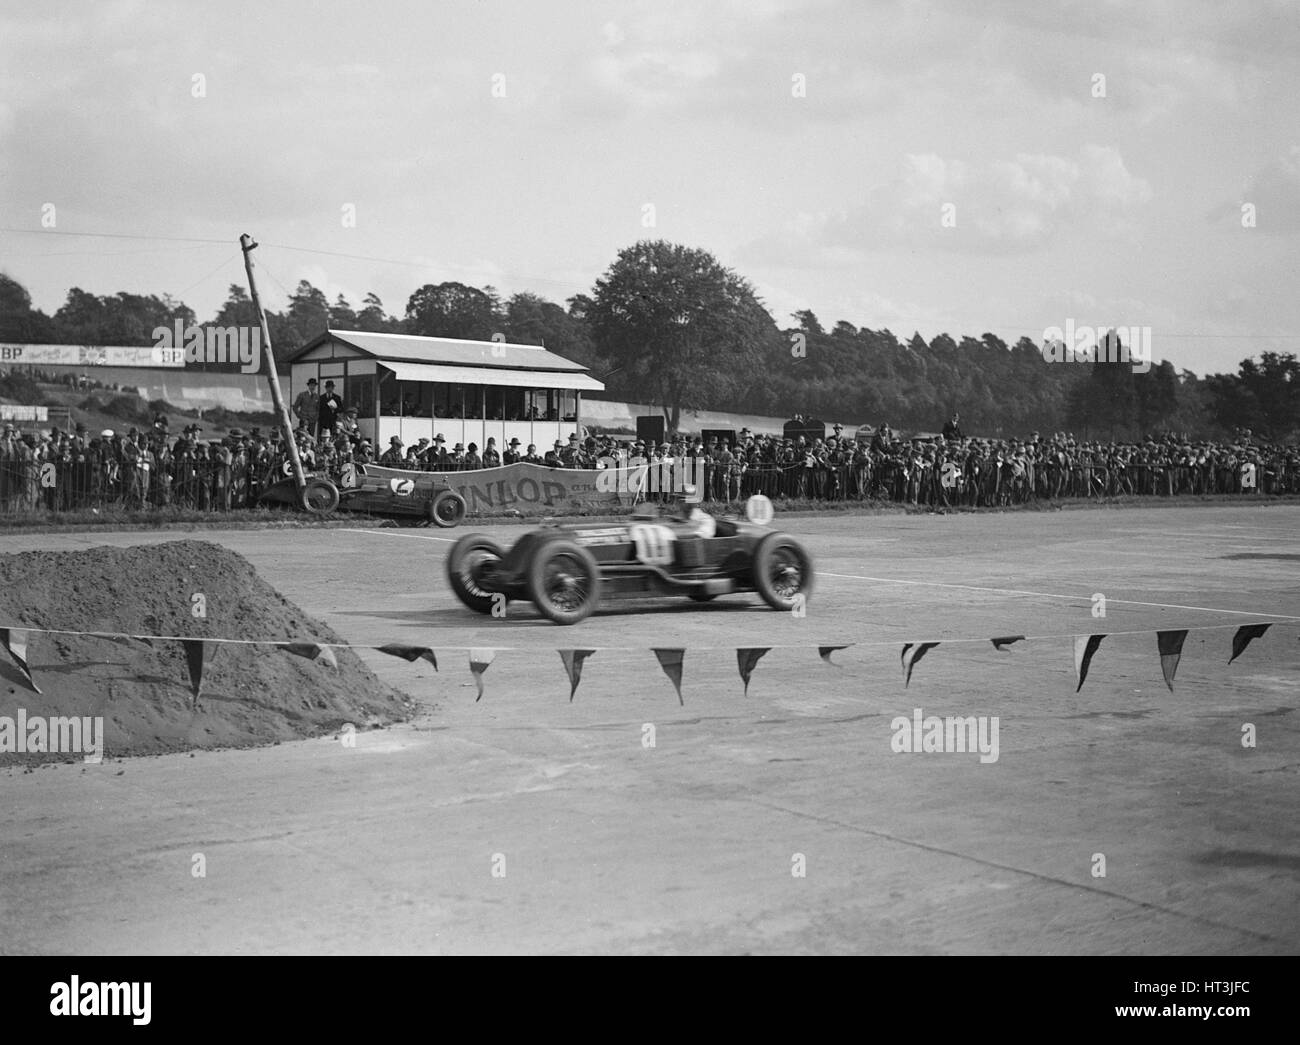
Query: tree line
point(669, 325)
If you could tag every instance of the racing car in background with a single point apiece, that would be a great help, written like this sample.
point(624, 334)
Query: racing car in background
point(567, 571)
point(419, 495)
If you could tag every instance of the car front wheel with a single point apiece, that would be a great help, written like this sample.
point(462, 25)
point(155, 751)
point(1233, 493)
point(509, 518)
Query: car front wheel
point(782, 571)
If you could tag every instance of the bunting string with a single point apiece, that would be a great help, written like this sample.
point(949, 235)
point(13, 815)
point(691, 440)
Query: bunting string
point(198, 651)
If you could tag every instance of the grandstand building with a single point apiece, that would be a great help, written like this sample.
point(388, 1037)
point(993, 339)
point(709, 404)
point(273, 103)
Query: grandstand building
point(465, 391)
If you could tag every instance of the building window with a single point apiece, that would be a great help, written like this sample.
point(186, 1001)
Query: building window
point(361, 395)
point(505, 404)
point(416, 398)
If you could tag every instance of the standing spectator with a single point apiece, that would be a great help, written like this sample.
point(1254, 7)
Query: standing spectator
point(329, 409)
point(306, 407)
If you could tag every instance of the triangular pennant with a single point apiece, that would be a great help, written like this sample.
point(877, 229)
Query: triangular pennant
point(411, 653)
point(825, 653)
point(15, 644)
point(1084, 648)
point(746, 659)
point(1002, 643)
point(1244, 636)
point(671, 661)
point(479, 659)
point(573, 659)
point(312, 651)
point(1170, 644)
point(194, 651)
point(912, 652)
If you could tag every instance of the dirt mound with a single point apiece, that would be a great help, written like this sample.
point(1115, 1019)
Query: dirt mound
point(251, 694)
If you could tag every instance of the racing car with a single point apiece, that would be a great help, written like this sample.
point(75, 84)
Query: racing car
point(389, 491)
point(566, 571)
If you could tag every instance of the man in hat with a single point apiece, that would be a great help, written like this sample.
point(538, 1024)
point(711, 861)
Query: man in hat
point(350, 429)
point(491, 455)
point(531, 457)
point(511, 455)
point(473, 462)
point(306, 407)
point(552, 458)
point(331, 406)
point(393, 456)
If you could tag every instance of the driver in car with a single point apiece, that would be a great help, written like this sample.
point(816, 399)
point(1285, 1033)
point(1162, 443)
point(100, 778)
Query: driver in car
point(701, 522)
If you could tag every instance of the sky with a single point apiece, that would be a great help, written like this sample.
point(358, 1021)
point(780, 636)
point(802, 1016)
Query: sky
point(931, 166)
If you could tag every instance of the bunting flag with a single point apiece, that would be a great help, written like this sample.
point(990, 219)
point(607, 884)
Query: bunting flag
point(671, 661)
point(313, 651)
point(194, 650)
point(745, 660)
point(912, 652)
point(573, 659)
point(1170, 644)
point(15, 644)
point(1001, 644)
point(479, 659)
point(1244, 636)
point(411, 653)
point(825, 653)
point(1084, 648)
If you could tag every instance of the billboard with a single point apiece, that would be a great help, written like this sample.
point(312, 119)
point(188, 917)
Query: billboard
point(91, 356)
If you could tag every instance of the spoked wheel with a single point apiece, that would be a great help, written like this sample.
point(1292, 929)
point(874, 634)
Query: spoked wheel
point(320, 496)
point(564, 582)
point(447, 509)
point(782, 571)
point(470, 557)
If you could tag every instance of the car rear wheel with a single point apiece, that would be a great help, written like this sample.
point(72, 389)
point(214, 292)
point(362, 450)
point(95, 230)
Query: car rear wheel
point(447, 509)
point(782, 571)
point(564, 582)
point(469, 557)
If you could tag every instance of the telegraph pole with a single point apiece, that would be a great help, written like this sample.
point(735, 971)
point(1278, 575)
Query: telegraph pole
point(247, 245)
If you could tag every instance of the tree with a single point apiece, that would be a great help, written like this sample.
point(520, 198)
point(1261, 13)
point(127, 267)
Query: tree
point(679, 325)
point(372, 316)
point(341, 316)
point(309, 313)
point(452, 310)
point(529, 319)
point(19, 322)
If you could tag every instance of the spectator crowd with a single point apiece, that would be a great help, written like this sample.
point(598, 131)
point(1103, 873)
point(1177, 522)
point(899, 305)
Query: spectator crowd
point(149, 467)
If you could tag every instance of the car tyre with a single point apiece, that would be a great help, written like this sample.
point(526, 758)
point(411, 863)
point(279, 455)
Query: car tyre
point(467, 558)
point(782, 571)
point(564, 582)
point(447, 509)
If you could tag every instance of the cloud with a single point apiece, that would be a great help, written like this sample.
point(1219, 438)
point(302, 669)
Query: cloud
point(1003, 206)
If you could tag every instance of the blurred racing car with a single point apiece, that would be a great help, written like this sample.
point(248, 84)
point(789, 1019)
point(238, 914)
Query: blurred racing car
point(567, 571)
point(387, 491)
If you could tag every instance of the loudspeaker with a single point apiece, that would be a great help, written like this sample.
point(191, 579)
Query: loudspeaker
point(651, 428)
point(727, 435)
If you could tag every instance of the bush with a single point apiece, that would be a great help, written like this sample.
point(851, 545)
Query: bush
point(128, 408)
point(19, 387)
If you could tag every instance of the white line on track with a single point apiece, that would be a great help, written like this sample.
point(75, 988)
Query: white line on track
point(390, 533)
point(1050, 595)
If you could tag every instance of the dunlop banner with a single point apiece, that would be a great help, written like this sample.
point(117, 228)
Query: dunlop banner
point(520, 486)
